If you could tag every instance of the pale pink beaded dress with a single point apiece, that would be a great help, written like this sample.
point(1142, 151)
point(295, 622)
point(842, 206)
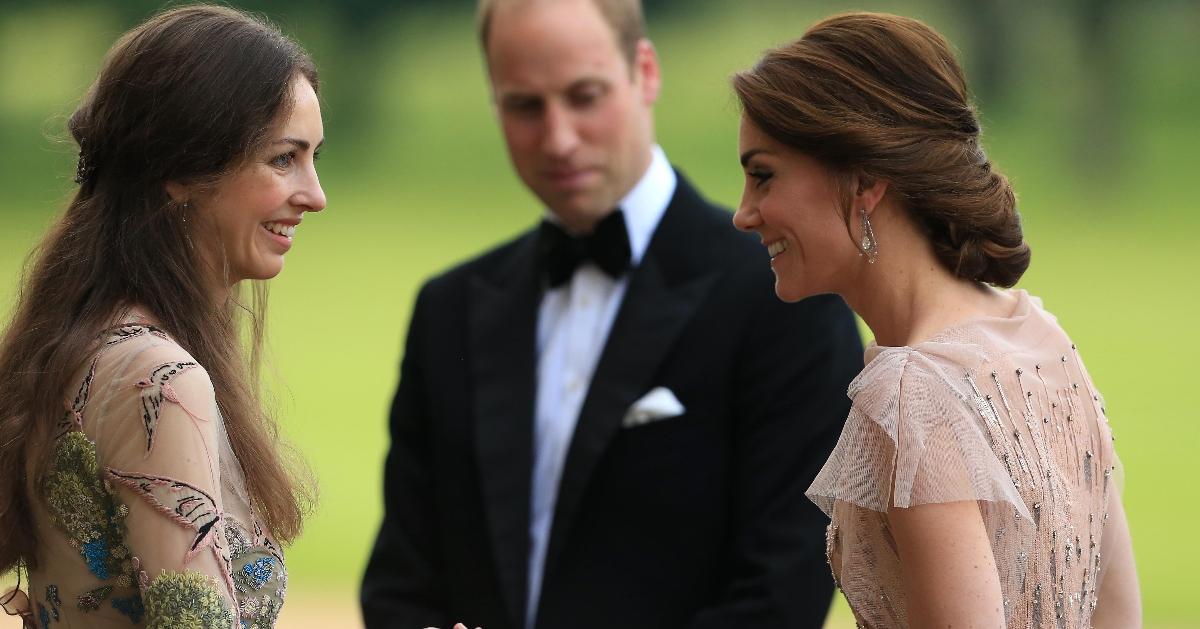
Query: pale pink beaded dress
point(998, 410)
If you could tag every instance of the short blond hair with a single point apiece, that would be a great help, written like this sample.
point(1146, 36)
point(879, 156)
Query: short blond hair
point(625, 17)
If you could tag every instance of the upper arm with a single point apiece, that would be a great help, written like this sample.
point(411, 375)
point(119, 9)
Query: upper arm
point(162, 463)
point(949, 571)
point(1120, 603)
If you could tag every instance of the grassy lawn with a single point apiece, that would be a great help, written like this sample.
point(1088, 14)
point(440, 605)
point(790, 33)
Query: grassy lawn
point(417, 178)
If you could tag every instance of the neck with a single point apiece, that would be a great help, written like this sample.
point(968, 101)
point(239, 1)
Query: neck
point(907, 296)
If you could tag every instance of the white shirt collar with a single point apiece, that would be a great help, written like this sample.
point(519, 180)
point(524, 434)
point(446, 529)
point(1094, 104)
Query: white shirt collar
point(647, 201)
point(645, 204)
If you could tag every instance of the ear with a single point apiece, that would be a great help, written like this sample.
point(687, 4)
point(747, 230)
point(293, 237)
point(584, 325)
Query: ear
point(646, 71)
point(868, 192)
point(178, 192)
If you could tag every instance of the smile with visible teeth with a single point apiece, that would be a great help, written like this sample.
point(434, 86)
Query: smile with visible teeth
point(776, 248)
point(287, 231)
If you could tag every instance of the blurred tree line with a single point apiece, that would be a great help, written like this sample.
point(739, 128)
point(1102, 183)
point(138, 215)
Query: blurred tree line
point(349, 34)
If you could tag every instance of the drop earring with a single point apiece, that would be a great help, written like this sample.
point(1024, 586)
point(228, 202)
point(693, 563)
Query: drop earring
point(869, 245)
point(183, 213)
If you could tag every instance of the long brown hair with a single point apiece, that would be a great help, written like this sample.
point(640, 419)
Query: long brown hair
point(186, 97)
point(881, 96)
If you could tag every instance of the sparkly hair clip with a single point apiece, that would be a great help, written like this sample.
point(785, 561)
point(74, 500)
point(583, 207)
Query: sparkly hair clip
point(84, 168)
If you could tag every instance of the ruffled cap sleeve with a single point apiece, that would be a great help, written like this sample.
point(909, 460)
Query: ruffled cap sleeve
point(917, 433)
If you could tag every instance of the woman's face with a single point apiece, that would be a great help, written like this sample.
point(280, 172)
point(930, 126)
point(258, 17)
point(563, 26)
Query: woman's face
point(252, 216)
point(791, 202)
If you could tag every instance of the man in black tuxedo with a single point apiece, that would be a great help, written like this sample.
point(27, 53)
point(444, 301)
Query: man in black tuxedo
point(610, 421)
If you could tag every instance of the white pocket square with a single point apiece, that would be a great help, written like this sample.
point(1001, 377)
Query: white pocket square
point(656, 405)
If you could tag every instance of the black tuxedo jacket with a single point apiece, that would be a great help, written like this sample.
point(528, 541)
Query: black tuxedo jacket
point(692, 522)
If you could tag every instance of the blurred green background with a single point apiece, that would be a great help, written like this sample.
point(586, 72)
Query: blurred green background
point(1089, 106)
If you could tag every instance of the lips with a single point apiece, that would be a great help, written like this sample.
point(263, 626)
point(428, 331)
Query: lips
point(281, 229)
point(570, 178)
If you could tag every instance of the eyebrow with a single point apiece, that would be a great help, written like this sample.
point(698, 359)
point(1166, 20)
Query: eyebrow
point(751, 153)
point(298, 143)
point(515, 98)
point(519, 96)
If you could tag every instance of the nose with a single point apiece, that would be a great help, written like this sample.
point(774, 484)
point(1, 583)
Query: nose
point(311, 196)
point(747, 217)
point(560, 138)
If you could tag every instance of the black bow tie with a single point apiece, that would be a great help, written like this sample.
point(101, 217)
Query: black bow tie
point(561, 253)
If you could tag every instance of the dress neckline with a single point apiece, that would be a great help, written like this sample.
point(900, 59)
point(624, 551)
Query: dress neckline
point(1016, 318)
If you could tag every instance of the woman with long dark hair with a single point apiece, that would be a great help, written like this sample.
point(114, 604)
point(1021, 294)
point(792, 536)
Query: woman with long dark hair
point(142, 482)
point(973, 484)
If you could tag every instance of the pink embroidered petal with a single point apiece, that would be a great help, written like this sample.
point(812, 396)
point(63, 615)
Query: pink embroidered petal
point(184, 504)
point(156, 390)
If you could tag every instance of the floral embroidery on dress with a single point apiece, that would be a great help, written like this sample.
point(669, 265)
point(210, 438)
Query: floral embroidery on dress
point(185, 599)
point(73, 418)
point(81, 500)
point(131, 607)
point(184, 504)
point(128, 331)
point(81, 506)
point(259, 575)
point(53, 601)
point(90, 601)
point(155, 390)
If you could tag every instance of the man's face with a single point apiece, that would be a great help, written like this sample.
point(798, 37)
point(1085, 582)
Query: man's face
point(576, 116)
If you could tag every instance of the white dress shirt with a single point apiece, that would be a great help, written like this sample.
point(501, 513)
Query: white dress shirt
point(573, 325)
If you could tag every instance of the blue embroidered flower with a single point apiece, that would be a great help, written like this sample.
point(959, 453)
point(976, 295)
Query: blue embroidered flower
point(259, 571)
point(43, 616)
point(131, 607)
point(96, 553)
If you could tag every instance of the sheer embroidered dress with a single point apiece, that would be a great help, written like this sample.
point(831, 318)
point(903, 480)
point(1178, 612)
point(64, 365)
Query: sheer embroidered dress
point(995, 410)
point(144, 520)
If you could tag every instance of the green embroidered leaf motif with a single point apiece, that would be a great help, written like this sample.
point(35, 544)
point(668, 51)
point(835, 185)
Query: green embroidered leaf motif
point(185, 600)
point(74, 492)
point(80, 505)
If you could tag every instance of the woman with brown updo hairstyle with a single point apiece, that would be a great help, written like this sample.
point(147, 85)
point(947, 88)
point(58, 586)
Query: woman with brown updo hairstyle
point(974, 484)
point(142, 480)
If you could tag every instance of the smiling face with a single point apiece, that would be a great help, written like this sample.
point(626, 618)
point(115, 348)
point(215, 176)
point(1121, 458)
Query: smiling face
point(576, 114)
point(250, 217)
point(792, 202)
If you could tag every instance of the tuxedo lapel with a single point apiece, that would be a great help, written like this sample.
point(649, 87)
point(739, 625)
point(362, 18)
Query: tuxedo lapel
point(503, 323)
point(656, 307)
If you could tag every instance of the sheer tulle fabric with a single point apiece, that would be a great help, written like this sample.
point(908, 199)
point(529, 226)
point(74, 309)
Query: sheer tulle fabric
point(999, 411)
point(164, 519)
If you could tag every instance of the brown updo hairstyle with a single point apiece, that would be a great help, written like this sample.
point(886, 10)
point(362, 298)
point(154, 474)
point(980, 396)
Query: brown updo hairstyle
point(881, 97)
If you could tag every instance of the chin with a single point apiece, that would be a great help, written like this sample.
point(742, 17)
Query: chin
point(264, 272)
point(793, 291)
point(787, 293)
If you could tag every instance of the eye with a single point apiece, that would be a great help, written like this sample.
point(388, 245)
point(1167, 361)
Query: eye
point(586, 96)
point(759, 176)
point(524, 107)
point(316, 155)
point(283, 161)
